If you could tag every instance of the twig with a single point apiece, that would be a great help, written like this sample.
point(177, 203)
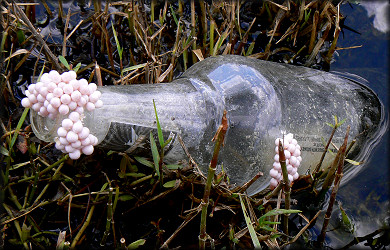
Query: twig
point(339, 175)
point(185, 222)
point(286, 186)
point(38, 36)
point(219, 140)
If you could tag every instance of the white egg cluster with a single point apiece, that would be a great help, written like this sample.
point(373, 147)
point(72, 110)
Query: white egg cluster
point(56, 93)
point(74, 138)
point(61, 94)
point(292, 152)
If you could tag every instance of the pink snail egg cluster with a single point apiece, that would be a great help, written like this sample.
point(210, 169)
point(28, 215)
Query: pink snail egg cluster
point(63, 94)
point(74, 138)
point(60, 94)
point(292, 152)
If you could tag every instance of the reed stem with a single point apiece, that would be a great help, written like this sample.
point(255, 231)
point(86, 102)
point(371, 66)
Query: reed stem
point(219, 139)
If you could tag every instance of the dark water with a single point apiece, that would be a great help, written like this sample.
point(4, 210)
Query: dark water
point(365, 198)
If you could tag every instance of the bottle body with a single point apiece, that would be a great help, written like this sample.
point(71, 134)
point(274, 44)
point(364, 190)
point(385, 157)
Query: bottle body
point(261, 98)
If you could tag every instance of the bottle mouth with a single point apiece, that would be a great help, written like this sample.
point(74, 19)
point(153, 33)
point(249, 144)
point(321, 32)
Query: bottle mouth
point(45, 128)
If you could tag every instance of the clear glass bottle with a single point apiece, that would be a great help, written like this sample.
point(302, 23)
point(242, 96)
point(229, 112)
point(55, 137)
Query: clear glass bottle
point(262, 99)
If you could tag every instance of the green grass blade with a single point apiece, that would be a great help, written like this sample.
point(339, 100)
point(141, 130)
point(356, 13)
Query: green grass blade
point(156, 156)
point(252, 232)
point(280, 211)
point(75, 69)
point(134, 67)
point(144, 161)
point(20, 123)
point(64, 62)
point(159, 131)
point(118, 46)
point(174, 15)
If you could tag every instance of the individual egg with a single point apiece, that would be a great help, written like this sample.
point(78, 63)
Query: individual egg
point(293, 171)
point(41, 98)
point(87, 150)
point(291, 148)
point(273, 183)
point(63, 141)
point(57, 92)
point(287, 154)
point(67, 123)
point(293, 160)
point(276, 158)
point(84, 89)
point(289, 168)
point(84, 133)
point(290, 178)
point(285, 144)
point(55, 76)
point(76, 95)
point(72, 105)
point(55, 102)
point(94, 97)
point(46, 103)
point(61, 132)
point(26, 103)
point(76, 144)
point(77, 127)
point(83, 100)
point(31, 88)
point(45, 78)
point(75, 154)
point(74, 116)
point(98, 103)
point(297, 164)
point(90, 106)
point(72, 136)
point(86, 141)
point(75, 84)
point(293, 141)
point(38, 86)
point(59, 146)
point(289, 137)
point(32, 98)
point(79, 109)
point(72, 74)
point(65, 99)
point(66, 77)
point(297, 153)
point(49, 97)
point(36, 106)
point(83, 82)
point(277, 166)
point(43, 111)
point(51, 109)
point(63, 109)
point(51, 86)
point(61, 85)
point(94, 139)
point(68, 89)
point(299, 158)
point(273, 173)
point(92, 87)
point(295, 176)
